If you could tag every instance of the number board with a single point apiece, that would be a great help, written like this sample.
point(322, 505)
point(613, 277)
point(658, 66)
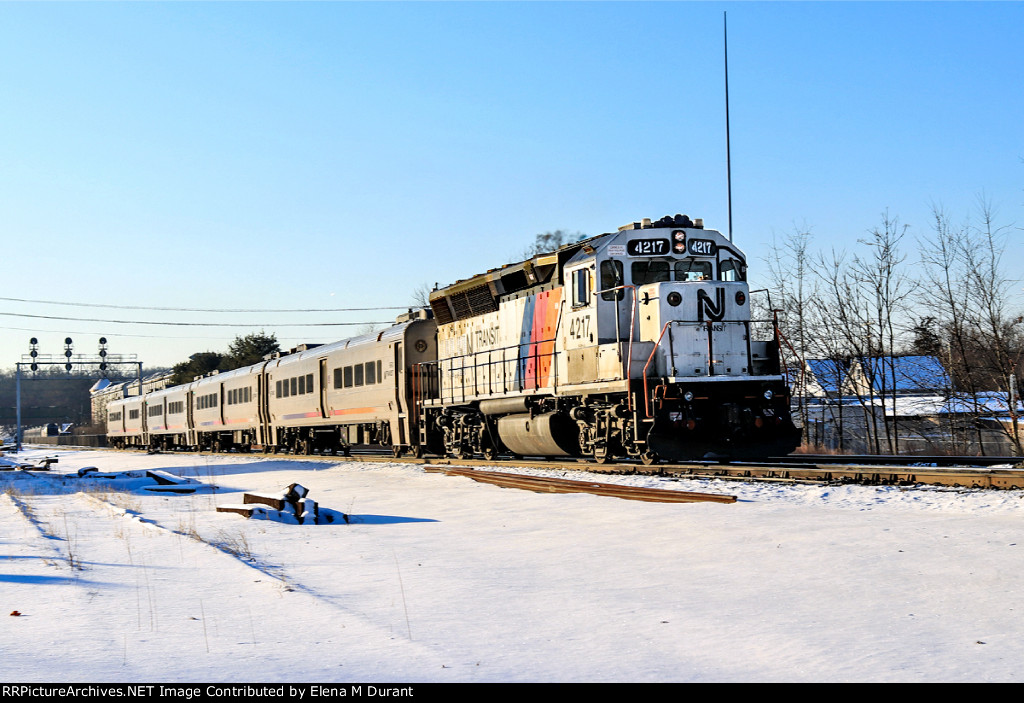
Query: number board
point(701, 247)
point(649, 247)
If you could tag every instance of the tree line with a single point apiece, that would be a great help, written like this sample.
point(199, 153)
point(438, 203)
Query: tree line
point(944, 293)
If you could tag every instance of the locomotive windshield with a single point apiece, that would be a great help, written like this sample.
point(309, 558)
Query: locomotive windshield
point(657, 271)
point(692, 270)
point(731, 270)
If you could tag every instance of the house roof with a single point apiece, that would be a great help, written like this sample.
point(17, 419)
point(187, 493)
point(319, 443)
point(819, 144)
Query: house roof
point(906, 374)
point(827, 373)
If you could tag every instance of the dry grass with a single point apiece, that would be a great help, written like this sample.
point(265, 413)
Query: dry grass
point(819, 449)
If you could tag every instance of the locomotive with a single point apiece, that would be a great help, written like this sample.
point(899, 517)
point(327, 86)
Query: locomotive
point(635, 344)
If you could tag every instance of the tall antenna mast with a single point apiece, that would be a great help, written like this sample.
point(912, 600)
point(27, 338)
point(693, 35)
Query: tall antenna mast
point(728, 154)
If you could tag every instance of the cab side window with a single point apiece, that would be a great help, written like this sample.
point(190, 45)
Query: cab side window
point(611, 277)
point(581, 288)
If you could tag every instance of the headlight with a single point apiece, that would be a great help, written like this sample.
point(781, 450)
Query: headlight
point(688, 396)
point(674, 298)
point(768, 394)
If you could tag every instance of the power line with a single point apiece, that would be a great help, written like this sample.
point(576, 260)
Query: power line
point(225, 310)
point(196, 324)
point(118, 334)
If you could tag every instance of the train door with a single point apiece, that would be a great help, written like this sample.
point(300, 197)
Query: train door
point(323, 388)
point(190, 420)
point(401, 392)
point(261, 408)
point(580, 337)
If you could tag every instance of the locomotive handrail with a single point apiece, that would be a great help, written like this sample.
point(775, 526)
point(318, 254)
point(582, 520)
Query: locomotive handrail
point(472, 362)
point(647, 405)
point(618, 332)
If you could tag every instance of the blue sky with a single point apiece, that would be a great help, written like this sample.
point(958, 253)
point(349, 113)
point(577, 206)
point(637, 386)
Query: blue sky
point(331, 155)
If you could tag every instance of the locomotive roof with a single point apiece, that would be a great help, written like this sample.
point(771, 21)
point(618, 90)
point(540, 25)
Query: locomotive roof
point(479, 294)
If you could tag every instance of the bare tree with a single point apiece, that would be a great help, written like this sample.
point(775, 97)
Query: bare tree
point(550, 241)
point(789, 266)
point(964, 271)
point(421, 295)
point(879, 270)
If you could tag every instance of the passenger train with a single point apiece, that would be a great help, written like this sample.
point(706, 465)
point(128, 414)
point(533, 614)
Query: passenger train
point(636, 344)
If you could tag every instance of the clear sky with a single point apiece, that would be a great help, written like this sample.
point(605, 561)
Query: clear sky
point(338, 155)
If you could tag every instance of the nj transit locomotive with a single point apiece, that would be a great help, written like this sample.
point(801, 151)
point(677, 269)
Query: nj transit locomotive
point(636, 343)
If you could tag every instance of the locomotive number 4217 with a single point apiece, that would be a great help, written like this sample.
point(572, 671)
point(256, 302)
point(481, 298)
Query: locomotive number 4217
point(648, 247)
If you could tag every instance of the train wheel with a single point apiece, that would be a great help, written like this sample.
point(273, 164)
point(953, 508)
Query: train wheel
point(396, 450)
point(649, 458)
point(417, 451)
point(490, 453)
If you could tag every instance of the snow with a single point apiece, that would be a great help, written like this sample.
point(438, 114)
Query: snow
point(443, 579)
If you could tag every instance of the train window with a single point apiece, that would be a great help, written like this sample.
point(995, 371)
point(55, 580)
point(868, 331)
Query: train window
point(580, 288)
point(380, 379)
point(309, 383)
point(371, 373)
point(692, 270)
point(359, 374)
point(731, 270)
point(611, 277)
point(133, 414)
point(248, 394)
point(649, 272)
point(294, 381)
point(337, 377)
point(348, 377)
point(302, 385)
point(279, 390)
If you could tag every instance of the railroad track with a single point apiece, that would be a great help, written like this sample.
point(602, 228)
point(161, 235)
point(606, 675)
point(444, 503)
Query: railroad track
point(868, 470)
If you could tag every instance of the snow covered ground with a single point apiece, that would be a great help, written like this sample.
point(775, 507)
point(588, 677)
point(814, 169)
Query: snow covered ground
point(442, 579)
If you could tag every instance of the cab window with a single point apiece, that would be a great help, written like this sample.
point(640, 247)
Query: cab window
point(693, 270)
point(731, 270)
point(611, 277)
point(649, 272)
point(581, 288)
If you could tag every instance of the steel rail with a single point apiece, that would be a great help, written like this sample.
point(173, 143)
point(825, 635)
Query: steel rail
point(545, 484)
